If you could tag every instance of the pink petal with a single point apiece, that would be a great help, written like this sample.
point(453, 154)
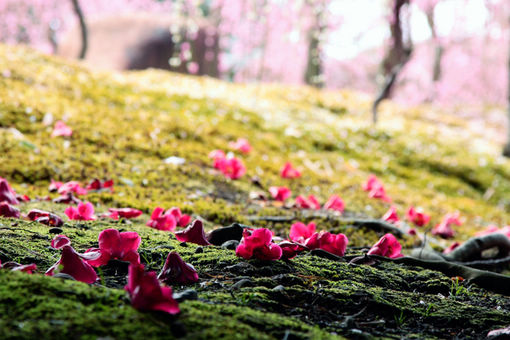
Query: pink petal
point(387, 246)
point(335, 203)
point(60, 241)
point(7, 210)
point(73, 264)
point(6, 193)
point(177, 271)
point(300, 232)
point(194, 234)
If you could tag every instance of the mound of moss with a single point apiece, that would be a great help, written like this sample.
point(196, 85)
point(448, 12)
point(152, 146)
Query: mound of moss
point(128, 126)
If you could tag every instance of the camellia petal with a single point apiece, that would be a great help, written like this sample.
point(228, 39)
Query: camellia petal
point(335, 203)
point(387, 246)
point(258, 244)
point(417, 217)
point(391, 215)
point(60, 241)
point(73, 265)
point(147, 294)
point(193, 234)
point(280, 193)
point(176, 271)
point(7, 194)
point(299, 231)
point(7, 210)
point(288, 171)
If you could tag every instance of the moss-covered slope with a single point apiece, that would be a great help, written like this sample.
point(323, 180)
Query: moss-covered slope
point(126, 125)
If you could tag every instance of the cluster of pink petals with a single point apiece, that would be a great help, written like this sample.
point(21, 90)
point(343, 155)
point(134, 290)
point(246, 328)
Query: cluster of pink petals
point(194, 233)
point(309, 202)
point(288, 171)
point(280, 193)
point(72, 263)
point(168, 220)
point(333, 243)
point(444, 229)
point(258, 244)
point(391, 215)
point(61, 129)
point(45, 217)
point(335, 203)
point(375, 189)
point(231, 167)
point(241, 144)
point(300, 232)
point(84, 212)
point(116, 245)
point(177, 271)
point(7, 194)
point(97, 185)
point(127, 213)
point(387, 246)
point(147, 294)
point(7, 210)
point(418, 217)
point(26, 268)
point(305, 235)
point(68, 187)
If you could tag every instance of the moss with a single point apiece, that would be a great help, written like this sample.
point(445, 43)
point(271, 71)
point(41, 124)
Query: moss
point(126, 125)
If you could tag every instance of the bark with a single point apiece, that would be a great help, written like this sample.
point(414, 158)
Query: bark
point(397, 56)
point(506, 149)
point(83, 28)
point(314, 67)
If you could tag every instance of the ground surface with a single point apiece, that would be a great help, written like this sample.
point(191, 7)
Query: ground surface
point(126, 125)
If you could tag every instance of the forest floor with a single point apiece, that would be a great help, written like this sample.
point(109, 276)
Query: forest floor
point(128, 126)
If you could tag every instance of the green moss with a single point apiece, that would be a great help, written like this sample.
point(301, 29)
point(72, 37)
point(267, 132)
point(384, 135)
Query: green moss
point(126, 125)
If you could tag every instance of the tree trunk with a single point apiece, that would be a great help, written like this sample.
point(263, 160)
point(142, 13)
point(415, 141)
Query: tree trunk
point(83, 28)
point(314, 67)
point(506, 149)
point(398, 54)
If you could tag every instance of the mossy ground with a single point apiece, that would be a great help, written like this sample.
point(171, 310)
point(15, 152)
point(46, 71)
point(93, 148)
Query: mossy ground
point(125, 125)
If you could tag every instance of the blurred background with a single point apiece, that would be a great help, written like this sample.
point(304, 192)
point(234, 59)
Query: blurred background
point(448, 52)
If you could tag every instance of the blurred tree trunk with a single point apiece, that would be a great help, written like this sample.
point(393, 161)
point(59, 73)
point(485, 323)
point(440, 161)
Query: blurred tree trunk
point(398, 54)
point(314, 67)
point(83, 28)
point(506, 149)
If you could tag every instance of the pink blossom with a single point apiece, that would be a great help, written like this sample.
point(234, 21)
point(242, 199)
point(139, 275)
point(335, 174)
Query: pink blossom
point(391, 215)
point(181, 219)
point(218, 156)
point(335, 203)
point(7, 210)
point(161, 221)
point(307, 203)
point(417, 217)
point(372, 183)
point(333, 243)
point(97, 185)
point(60, 241)
point(193, 234)
point(84, 212)
point(116, 245)
point(258, 244)
point(68, 198)
point(7, 194)
point(300, 232)
point(241, 144)
point(494, 229)
point(72, 186)
point(289, 172)
point(177, 271)
point(127, 213)
point(232, 168)
point(61, 129)
point(45, 217)
point(72, 263)
point(444, 228)
point(147, 294)
point(387, 246)
point(280, 193)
